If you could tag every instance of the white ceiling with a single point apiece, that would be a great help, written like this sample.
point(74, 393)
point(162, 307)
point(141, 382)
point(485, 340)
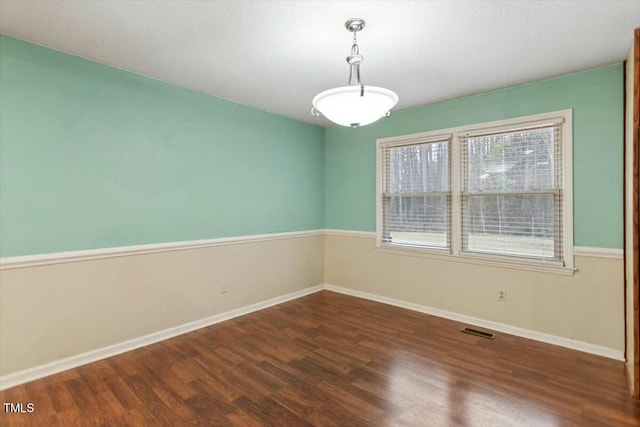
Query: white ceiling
point(276, 55)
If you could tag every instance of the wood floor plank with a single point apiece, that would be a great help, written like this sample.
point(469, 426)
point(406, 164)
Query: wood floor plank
point(332, 360)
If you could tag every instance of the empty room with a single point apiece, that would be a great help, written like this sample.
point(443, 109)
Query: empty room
point(319, 213)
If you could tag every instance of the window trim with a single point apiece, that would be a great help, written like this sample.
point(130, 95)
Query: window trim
point(454, 133)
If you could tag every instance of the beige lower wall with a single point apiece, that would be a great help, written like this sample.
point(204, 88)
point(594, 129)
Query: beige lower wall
point(588, 306)
point(55, 311)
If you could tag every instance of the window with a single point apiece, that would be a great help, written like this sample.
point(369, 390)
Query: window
point(496, 192)
point(417, 196)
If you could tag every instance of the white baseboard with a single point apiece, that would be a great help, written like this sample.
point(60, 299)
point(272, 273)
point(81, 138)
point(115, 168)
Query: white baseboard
point(610, 353)
point(50, 368)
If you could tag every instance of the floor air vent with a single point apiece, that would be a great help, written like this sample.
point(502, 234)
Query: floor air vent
point(482, 334)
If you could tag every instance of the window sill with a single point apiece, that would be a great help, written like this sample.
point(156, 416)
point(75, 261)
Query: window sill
point(478, 259)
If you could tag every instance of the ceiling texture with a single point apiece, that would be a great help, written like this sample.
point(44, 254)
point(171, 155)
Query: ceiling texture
point(276, 55)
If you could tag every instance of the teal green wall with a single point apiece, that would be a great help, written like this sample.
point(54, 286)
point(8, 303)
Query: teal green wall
point(596, 98)
point(93, 157)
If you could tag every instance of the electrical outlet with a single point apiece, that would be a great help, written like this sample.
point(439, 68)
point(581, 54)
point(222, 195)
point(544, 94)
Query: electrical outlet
point(224, 287)
point(502, 296)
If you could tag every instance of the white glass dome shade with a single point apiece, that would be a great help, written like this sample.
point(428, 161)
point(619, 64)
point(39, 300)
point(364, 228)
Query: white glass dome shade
point(351, 106)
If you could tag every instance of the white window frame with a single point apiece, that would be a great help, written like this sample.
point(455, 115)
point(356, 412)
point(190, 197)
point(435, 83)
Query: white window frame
point(566, 266)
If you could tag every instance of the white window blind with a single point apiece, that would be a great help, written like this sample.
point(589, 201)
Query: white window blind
point(496, 193)
point(416, 194)
point(512, 195)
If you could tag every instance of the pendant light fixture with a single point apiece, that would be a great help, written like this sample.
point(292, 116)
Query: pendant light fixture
point(356, 104)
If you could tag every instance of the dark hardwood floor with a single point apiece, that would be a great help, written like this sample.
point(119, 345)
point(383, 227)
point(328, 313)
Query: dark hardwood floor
point(334, 360)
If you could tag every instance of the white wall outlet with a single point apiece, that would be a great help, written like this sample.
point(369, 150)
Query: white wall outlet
point(502, 296)
point(224, 287)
